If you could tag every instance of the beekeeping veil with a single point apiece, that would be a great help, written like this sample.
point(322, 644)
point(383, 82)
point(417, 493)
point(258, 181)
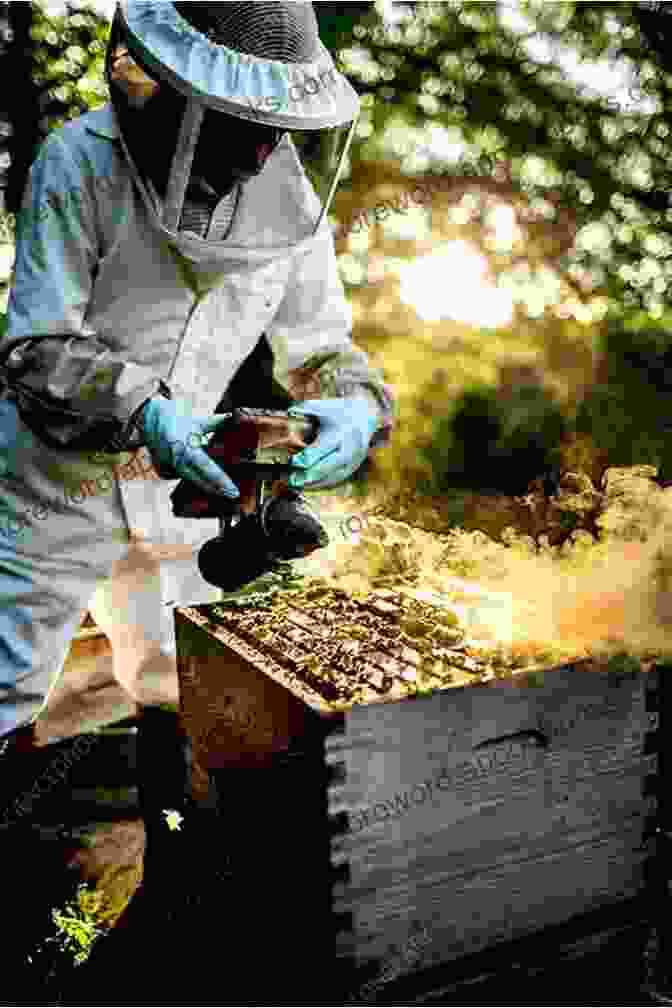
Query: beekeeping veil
point(227, 102)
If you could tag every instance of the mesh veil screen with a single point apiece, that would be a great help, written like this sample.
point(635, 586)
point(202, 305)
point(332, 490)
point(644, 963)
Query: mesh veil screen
point(279, 31)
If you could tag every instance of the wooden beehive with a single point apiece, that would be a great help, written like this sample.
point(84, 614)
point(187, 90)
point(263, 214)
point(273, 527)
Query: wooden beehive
point(476, 816)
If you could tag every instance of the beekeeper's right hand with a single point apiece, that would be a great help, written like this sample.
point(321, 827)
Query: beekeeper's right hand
point(176, 441)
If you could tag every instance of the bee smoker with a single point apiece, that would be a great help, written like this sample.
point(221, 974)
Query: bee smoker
point(254, 448)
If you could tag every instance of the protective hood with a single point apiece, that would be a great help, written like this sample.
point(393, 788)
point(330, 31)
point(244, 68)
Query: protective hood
point(310, 103)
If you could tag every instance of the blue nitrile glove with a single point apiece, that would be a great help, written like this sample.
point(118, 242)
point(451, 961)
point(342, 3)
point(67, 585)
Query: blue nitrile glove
point(341, 447)
point(175, 439)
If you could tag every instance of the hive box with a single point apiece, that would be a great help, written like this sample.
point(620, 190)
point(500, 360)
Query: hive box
point(412, 836)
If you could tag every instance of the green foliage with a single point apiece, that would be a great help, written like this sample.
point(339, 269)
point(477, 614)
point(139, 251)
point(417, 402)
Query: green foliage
point(78, 925)
point(7, 227)
point(596, 169)
point(486, 443)
point(337, 21)
point(69, 63)
point(628, 411)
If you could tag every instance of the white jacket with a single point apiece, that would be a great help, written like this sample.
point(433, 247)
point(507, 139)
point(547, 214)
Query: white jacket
point(88, 266)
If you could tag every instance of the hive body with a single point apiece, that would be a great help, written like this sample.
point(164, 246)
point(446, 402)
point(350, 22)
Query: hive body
point(474, 816)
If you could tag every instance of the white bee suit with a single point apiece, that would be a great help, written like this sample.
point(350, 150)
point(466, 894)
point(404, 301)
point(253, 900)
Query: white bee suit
point(143, 310)
point(124, 305)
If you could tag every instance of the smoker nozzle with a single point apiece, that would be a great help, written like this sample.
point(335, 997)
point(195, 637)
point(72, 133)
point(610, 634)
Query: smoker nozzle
point(284, 529)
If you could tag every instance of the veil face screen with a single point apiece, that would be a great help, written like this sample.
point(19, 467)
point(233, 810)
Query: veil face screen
point(320, 153)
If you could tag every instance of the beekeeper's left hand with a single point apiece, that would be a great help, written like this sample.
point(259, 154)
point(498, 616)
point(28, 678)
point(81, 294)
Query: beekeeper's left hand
point(342, 445)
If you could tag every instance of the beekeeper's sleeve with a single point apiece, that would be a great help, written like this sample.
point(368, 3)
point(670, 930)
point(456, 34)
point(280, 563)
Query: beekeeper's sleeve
point(312, 342)
point(57, 255)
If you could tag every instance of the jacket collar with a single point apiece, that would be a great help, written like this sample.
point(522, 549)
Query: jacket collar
point(103, 123)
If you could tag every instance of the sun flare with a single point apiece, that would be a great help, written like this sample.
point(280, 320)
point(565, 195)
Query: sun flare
point(452, 283)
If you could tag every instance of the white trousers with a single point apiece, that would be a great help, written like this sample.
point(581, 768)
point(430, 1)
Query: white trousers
point(135, 610)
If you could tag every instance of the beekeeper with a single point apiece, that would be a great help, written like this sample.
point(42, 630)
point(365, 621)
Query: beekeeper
point(160, 238)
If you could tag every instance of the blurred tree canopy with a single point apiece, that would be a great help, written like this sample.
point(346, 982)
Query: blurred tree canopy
point(567, 156)
point(56, 65)
point(573, 163)
point(68, 62)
